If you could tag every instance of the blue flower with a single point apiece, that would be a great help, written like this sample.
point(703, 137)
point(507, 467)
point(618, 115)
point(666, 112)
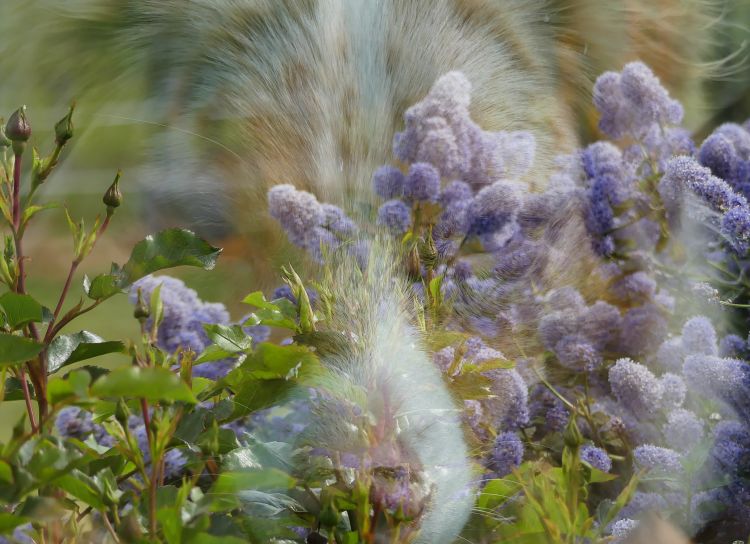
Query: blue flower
point(492, 208)
point(298, 212)
point(596, 457)
point(657, 459)
point(72, 422)
point(388, 182)
point(507, 454)
point(735, 225)
point(395, 215)
point(630, 102)
point(422, 183)
point(635, 387)
point(683, 430)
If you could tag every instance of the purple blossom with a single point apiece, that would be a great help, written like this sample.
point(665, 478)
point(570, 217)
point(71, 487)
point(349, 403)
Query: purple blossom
point(454, 221)
point(731, 450)
point(544, 405)
point(635, 288)
point(422, 183)
point(72, 422)
point(396, 216)
point(455, 191)
point(576, 353)
point(699, 336)
point(566, 298)
point(735, 225)
point(388, 182)
point(717, 153)
point(635, 387)
point(20, 535)
point(643, 329)
point(596, 457)
point(657, 459)
point(184, 313)
point(674, 390)
point(683, 430)
point(631, 101)
point(732, 346)
point(509, 404)
point(621, 530)
point(492, 208)
point(643, 503)
point(507, 454)
point(298, 212)
point(671, 354)
point(337, 221)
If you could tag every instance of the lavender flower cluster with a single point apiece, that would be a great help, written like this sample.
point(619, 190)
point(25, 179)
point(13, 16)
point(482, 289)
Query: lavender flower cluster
point(608, 341)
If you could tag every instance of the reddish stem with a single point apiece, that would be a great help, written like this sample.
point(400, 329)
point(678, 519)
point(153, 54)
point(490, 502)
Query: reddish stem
point(27, 399)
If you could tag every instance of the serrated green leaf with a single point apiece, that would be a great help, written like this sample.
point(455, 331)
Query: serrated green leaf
point(228, 337)
point(150, 383)
point(71, 348)
point(167, 249)
point(20, 309)
point(16, 350)
point(102, 286)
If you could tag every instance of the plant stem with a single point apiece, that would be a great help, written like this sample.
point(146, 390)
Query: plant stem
point(27, 399)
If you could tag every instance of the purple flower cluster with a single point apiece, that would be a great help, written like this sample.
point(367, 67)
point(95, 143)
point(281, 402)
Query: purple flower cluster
point(308, 223)
point(577, 333)
point(184, 316)
point(439, 131)
point(632, 101)
point(441, 142)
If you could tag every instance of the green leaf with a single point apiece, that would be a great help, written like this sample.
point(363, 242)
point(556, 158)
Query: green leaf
point(8, 522)
point(268, 373)
point(20, 310)
point(213, 353)
point(102, 286)
point(263, 479)
point(71, 348)
point(279, 313)
point(167, 249)
point(14, 390)
point(29, 212)
point(82, 487)
point(153, 384)
point(229, 337)
point(6, 472)
point(15, 350)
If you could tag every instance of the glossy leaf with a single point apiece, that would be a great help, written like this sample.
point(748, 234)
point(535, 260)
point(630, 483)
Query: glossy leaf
point(15, 350)
point(167, 249)
point(71, 348)
point(20, 310)
point(153, 384)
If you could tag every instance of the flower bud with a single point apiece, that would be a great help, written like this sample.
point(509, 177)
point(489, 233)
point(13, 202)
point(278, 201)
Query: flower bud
point(113, 197)
point(572, 435)
point(64, 127)
point(18, 128)
point(141, 311)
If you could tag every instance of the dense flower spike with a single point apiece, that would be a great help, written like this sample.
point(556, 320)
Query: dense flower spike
point(596, 457)
point(630, 102)
point(507, 454)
